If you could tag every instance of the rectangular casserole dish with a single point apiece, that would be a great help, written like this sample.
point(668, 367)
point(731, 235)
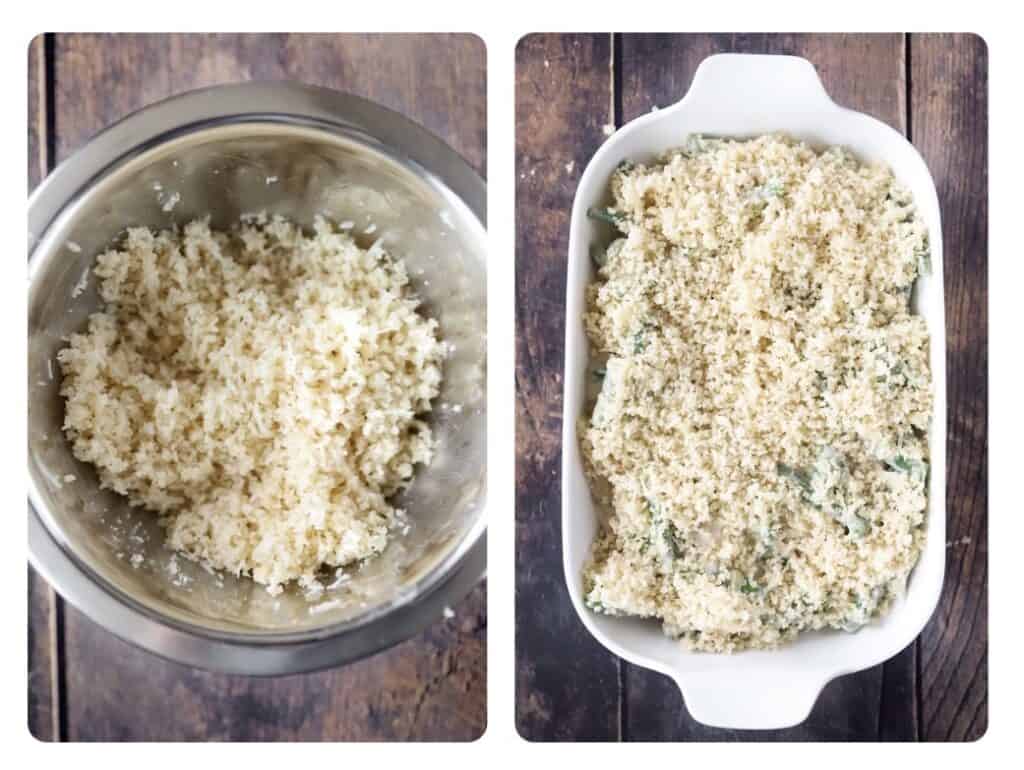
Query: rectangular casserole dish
point(742, 96)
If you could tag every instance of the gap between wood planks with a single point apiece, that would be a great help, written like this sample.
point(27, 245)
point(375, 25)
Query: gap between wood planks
point(908, 111)
point(615, 120)
point(46, 161)
point(908, 107)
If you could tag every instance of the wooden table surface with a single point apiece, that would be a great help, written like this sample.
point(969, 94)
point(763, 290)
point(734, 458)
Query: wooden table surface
point(84, 683)
point(933, 88)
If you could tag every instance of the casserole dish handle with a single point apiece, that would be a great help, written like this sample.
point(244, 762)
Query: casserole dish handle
point(750, 699)
point(740, 84)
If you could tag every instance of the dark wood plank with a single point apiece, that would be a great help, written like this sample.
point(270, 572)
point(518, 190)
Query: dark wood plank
point(949, 124)
point(860, 71)
point(43, 695)
point(413, 74)
point(429, 688)
point(867, 73)
point(432, 687)
point(567, 685)
point(37, 160)
point(410, 73)
point(43, 698)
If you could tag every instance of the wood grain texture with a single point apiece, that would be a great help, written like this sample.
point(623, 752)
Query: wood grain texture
point(920, 693)
point(429, 688)
point(949, 124)
point(865, 72)
point(437, 80)
point(43, 696)
point(566, 683)
point(38, 163)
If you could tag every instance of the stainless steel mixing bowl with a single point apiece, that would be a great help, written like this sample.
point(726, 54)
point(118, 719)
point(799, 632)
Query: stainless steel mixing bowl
point(297, 151)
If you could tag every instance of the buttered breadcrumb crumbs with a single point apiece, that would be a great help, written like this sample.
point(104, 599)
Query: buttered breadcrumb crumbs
point(760, 435)
point(260, 389)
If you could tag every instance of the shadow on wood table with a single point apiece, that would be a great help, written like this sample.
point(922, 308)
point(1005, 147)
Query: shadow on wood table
point(569, 88)
point(85, 684)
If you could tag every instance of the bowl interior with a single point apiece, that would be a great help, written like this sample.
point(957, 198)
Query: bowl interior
point(298, 171)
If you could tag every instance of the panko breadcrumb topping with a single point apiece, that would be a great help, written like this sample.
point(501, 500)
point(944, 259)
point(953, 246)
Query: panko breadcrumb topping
point(261, 389)
point(759, 438)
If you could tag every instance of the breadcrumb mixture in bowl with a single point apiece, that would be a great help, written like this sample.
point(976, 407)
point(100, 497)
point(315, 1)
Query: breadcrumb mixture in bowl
point(759, 431)
point(263, 390)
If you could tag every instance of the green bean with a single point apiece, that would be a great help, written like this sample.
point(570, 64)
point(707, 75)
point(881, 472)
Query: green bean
point(615, 218)
point(916, 469)
point(749, 588)
point(795, 474)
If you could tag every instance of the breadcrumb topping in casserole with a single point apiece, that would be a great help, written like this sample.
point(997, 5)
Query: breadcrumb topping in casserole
point(759, 437)
point(261, 389)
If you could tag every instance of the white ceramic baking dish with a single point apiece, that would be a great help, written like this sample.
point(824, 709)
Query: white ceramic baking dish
point(739, 95)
